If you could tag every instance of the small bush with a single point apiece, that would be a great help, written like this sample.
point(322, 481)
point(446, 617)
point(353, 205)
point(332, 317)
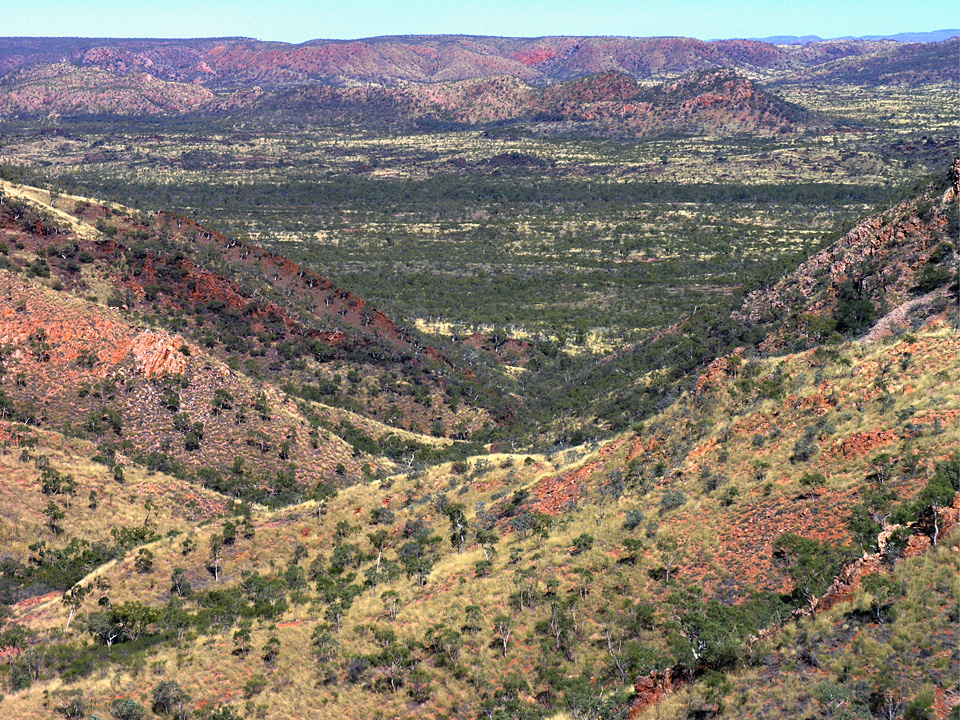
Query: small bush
point(671, 500)
point(582, 543)
point(806, 446)
point(254, 686)
point(633, 520)
point(72, 704)
point(730, 496)
point(127, 709)
point(815, 479)
point(356, 668)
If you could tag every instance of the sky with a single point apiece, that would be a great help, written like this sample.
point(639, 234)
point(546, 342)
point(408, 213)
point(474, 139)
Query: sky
point(296, 21)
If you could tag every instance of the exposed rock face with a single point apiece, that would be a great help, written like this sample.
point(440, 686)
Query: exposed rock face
point(882, 261)
point(254, 316)
point(75, 361)
point(718, 371)
point(865, 442)
point(653, 688)
point(158, 355)
point(608, 99)
point(557, 493)
point(63, 89)
point(509, 351)
point(851, 576)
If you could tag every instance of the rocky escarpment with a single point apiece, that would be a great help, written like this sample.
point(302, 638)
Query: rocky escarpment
point(151, 395)
point(64, 89)
point(884, 263)
point(651, 690)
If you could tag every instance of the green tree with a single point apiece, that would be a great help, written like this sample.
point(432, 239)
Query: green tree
point(883, 590)
point(179, 582)
point(241, 639)
point(144, 561)
point(170, 699)
point(216, 547)
point(458, 525)
point(487, 540)
point(503, 627)
point(73, 598)
point(222, 400)
point(54, 515)
point(271, 651)
point(811, 564)
point(670, 554)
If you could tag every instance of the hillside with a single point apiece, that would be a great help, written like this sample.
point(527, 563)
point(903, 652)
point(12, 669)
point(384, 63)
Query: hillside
point(453, 377)
point(893, 266)
point(889, 273)
point(656, 512)
point(909, 64)
point(706, 102)
point(723, 522)
point(256, 310)
point(64, 89)
point(612, 104)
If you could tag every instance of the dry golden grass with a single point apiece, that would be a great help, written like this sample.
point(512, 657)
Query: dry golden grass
point(206, 667)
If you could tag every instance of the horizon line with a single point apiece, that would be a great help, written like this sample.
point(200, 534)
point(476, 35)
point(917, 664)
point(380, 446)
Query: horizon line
point(768, 38)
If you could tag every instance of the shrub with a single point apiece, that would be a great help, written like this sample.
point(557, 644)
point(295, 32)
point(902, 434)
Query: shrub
point(921, 707)
point(633, 520)
point(483, 568)
point(127, 709)
point(854, 315)
point(382, 516)
point(225, 712)
point(815, 479)
point(144, 561)
point(810, 563)
point(356, 668)
point(806, 446)
point(72, 704)
point(582, 543)
point(730, 496)
point(933, 277)
point(671, 500)
point(254, 686)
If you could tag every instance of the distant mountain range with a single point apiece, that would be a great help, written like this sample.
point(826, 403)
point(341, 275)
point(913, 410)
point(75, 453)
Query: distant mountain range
point(914, 37)
point(233, 63)
point(625, 86)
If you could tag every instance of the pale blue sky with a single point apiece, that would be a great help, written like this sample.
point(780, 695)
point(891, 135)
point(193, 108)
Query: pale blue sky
point(300, 20)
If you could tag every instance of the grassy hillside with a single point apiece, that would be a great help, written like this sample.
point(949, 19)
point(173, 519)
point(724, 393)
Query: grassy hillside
point(487, 584)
